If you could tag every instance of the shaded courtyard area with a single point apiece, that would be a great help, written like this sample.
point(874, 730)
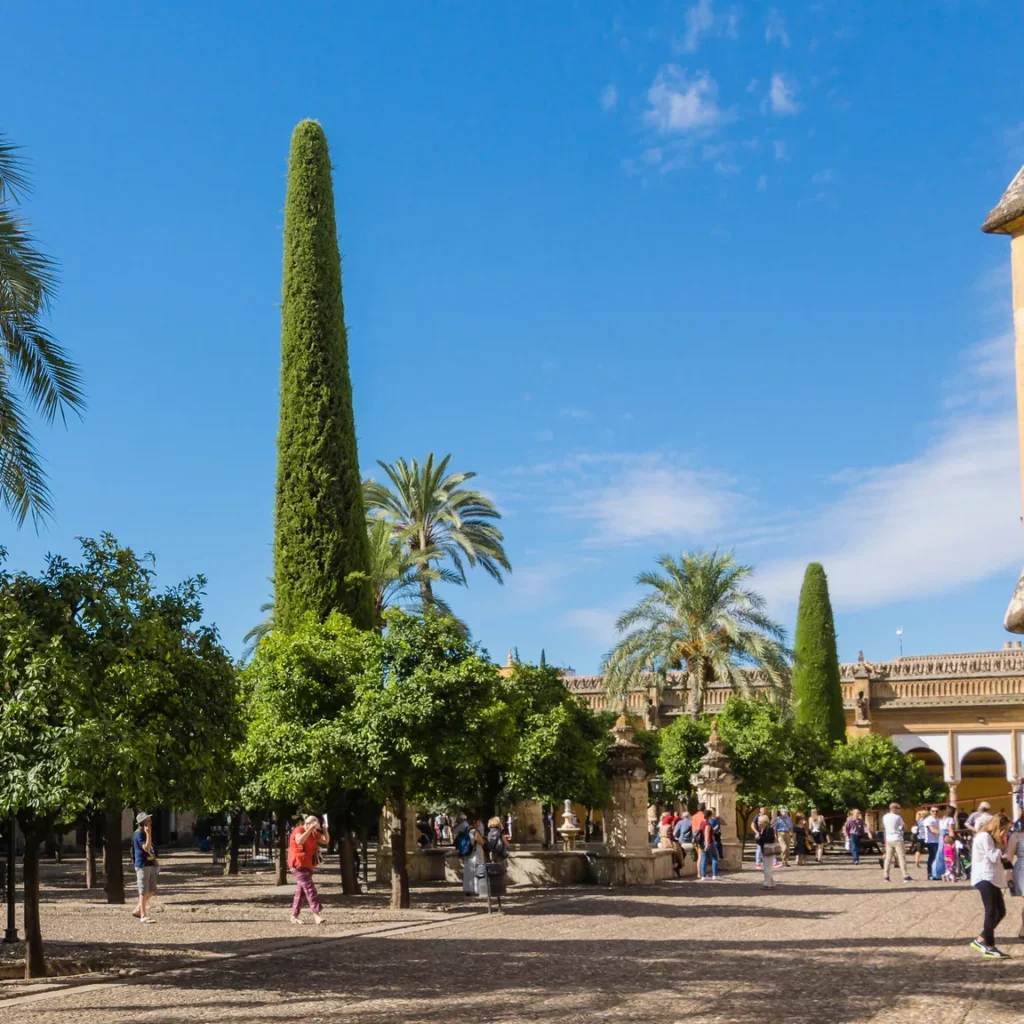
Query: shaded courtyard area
point(830, 943)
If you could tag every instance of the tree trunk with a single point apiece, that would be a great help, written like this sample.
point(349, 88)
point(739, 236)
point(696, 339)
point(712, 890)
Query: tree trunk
point(231, 857)
point(346, 854)
point(114, 865)
point(399, 866)
point(426, 590)
point(365, 859)
point(35, 962)
point(282, 849)
point(91, 838)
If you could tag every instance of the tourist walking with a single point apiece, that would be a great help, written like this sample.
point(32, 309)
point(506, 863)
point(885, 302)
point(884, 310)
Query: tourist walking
point(895, 848)
point(1015, 854)
point(303, 856)
point(145, 861)
point(783, 826)
point(469, 845)
point(920, 836)
point(988, 876)
point(854, 831)
point(765, 840)
point(976, 819)
point(754, 828)
point(667, 841)
point(817, 826)
point(932, 843)
point(799, 838)
point(709, 852)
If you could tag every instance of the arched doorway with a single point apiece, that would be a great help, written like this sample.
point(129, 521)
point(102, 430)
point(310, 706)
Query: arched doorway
point(931, 761)
point(983, 777)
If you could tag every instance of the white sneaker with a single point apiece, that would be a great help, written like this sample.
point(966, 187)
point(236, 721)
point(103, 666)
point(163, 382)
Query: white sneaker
point(145, 920)
point(317, 919)
point(297, 920)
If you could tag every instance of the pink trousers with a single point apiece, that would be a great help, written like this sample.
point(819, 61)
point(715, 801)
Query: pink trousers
point(305, 891)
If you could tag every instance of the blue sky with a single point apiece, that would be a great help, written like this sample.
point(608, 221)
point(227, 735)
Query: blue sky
point(665, 275)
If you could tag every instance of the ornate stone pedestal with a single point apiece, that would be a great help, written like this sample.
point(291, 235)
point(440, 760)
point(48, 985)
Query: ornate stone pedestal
point(627, 857)
point(716, 784)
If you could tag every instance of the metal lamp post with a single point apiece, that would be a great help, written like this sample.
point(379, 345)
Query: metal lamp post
point(656, 789)
point(11, 933)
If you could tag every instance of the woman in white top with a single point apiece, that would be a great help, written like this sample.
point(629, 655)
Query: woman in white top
point(816, 826)
point(989, 877)
point(1015, 852)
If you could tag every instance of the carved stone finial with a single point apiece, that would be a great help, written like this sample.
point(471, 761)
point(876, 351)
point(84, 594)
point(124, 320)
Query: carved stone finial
point(860, 657)
point(508, 664)
point(715, 766)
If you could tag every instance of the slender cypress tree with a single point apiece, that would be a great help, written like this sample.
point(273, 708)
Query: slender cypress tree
point(320, 519)
point(817, 694)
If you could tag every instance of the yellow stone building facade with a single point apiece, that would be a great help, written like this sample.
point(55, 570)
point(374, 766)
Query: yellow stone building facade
point(962, 714)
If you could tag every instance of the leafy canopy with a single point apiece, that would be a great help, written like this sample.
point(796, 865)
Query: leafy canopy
point(700, 617)
point(34, 368)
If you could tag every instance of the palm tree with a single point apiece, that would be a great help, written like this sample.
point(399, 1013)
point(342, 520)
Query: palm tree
point(395, 577)
point(431, 513)
point(698, 617)
point(33, 366)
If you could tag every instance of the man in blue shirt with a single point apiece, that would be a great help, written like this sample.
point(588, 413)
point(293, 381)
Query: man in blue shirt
point(144, 859)
point(683, 829)
point(783, 825)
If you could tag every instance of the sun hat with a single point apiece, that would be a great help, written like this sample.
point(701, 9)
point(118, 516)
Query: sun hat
point(142, 816)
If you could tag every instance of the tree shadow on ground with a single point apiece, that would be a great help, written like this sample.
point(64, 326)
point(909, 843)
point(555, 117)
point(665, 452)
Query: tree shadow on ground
point(376, 979)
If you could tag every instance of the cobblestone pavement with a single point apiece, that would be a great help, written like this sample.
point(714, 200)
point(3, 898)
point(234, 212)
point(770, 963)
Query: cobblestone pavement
point(832, 943)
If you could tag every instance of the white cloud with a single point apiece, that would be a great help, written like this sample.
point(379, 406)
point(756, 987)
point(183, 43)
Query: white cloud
point(653, 498)
point(596, 624)
point(782, 95)
point(680, 104)
point(609, 97)
point(781, 150)
point(700, 19)
point(919, 528)
point(775, 28)
point(762, 182)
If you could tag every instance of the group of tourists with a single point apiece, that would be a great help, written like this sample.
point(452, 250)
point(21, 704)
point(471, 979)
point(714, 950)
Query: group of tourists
point(700, 835)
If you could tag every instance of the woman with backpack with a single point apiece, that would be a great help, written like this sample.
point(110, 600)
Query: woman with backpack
point(469, 845)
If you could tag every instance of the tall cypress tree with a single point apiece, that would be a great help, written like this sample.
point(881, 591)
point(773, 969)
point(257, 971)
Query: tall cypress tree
point(817, 694)
point(320, 520)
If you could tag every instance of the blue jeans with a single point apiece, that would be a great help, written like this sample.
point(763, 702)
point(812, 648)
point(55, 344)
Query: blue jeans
point(758, 854)
point(855, 849)
point(709, 855)
point(935, 866)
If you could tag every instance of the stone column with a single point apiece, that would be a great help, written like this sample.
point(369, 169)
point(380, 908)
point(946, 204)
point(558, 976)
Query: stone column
point(1008, 219)
point(627, 858)
point(716, 785)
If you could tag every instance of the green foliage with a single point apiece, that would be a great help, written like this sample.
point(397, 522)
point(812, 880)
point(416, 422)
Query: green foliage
point(299, 690)
point(698, 616)
point(320, 532)
point(682, 746)
point(758, 738)
point(425, 724)
point(437, 519)
point(872, 772)
point(31, 360)
point(817, 693)
point(559, 744)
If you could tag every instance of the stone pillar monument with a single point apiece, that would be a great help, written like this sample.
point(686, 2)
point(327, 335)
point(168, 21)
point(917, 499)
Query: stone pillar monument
point(716, 784)
point(627, 858)
point(861, 698)
point(1008, 219)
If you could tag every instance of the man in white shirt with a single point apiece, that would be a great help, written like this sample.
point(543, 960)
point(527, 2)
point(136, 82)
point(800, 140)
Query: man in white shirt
point(894, 848)
point(931, 841)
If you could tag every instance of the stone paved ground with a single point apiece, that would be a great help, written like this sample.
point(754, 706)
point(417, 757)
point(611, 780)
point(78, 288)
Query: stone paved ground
point(831, 943)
